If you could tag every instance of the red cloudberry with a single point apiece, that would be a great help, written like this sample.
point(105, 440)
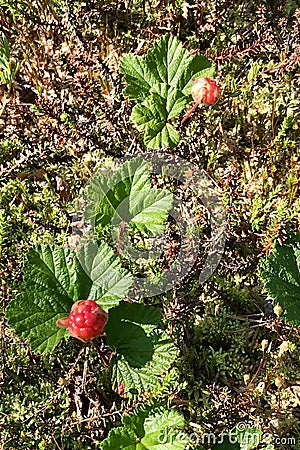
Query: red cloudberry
point(86, 320)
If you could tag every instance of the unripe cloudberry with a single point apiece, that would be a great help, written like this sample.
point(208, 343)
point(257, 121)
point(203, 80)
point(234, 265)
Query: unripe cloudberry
point(86, 320)
point(204, 90)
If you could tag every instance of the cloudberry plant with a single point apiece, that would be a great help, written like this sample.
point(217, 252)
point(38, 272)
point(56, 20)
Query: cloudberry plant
point(204, 90)
point(86, 320)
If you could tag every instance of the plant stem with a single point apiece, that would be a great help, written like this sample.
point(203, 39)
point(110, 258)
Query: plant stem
point(122, 228)
point(189, 113)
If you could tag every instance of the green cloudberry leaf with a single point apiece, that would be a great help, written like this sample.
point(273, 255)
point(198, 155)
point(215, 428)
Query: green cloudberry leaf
point(139, 78)
point(160, 83)
point(143, 376)
point(280, 273)
point(33, 317)
point(54, 279)
point(152, 116)
point(51, 278)
point(161, 430)
point(120, 438)
point(166, 62)
point(153, 428)
point(127, 332)
point(198, 67)
point(127, 196)
point(110, 282)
